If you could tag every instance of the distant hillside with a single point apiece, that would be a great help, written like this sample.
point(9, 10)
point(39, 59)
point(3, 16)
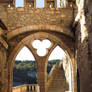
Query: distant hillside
point(25, 72)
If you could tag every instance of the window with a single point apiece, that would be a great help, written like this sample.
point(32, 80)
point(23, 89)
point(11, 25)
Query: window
point(25, 68)
point(58, 3)
point(41, 46)
point(19, 3)
point(39, 3)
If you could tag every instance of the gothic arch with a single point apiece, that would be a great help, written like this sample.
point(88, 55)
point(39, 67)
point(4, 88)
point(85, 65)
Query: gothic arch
point(28, 40)
point(30, 28)
point(71, 60)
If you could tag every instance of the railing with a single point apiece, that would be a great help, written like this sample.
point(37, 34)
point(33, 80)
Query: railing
point(27, 88)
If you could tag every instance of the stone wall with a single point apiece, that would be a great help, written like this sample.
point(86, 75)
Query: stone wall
point(15, 17)
point(19, 17)
point(88, 12)
point(84, 47)
point(3, 14)
point(82, 62)
point(3, 69)
point(18, 21)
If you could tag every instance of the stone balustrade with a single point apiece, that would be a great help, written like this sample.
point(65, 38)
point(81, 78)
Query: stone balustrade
point(27, 88)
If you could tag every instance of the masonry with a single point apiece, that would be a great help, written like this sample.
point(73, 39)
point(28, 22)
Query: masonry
point(67, 27)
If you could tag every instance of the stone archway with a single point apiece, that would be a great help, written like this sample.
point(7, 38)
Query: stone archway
point(28, 41)
point(30, 28)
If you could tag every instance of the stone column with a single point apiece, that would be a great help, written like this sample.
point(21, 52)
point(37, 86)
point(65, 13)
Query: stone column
point(25, 3)
point(3, 65)
point(45, 3)
point(34, 3)
point(55, 3)
point(88, 13)
point(3, 79)
point(41, 73)
point(83, 63)
point(82, 48)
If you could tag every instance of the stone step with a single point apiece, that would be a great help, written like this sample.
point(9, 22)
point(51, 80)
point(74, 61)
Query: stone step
point(56, 81)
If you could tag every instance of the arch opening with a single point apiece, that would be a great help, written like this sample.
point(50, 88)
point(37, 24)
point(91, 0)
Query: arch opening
point(25, 68)
point(59, 71)
point(40, 4)
point(19, 3)
point(58, 3)
point(55, 40)
point(55, 58)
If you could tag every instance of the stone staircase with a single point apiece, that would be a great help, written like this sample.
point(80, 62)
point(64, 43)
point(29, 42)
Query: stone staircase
point(57, 81)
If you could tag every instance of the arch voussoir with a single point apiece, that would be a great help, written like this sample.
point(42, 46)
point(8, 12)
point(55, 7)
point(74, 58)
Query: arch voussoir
point(13, 33)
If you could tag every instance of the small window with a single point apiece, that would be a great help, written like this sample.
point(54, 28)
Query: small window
point(39, 3)
point(58, 3)
point(19, 3)
point(62, 3)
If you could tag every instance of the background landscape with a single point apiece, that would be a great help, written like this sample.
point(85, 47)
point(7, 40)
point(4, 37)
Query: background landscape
point(25, 72)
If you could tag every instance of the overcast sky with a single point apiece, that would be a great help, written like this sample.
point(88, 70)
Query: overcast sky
point(25, 54)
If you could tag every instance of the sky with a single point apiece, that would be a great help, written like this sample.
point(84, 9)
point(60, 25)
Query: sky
point(42, 49)
point(39, 3)
point(25, 54)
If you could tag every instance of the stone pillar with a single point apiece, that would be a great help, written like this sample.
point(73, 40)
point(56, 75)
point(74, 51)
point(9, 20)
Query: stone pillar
point(31, 3)
point(82, 48)
point(25, 3)
point(88, 13)
point(51, 3)
point(10, 79)
point(3, 79)
point(55, 3)
point(82, 62)
point(34, 3)
point(14, 2)
point(41, 73)
point(3, 63)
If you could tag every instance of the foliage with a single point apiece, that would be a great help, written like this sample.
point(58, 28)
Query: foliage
point(21, 69)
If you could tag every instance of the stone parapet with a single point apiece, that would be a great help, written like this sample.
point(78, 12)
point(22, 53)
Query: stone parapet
point(26, 88)
point(19, 17)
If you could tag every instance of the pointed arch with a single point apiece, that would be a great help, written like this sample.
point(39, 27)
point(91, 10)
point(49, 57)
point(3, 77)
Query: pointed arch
point(23, 62)
point(62, 59)
point(30, 28)
point(51, 37)
point(22, 56)
point(55, 57)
